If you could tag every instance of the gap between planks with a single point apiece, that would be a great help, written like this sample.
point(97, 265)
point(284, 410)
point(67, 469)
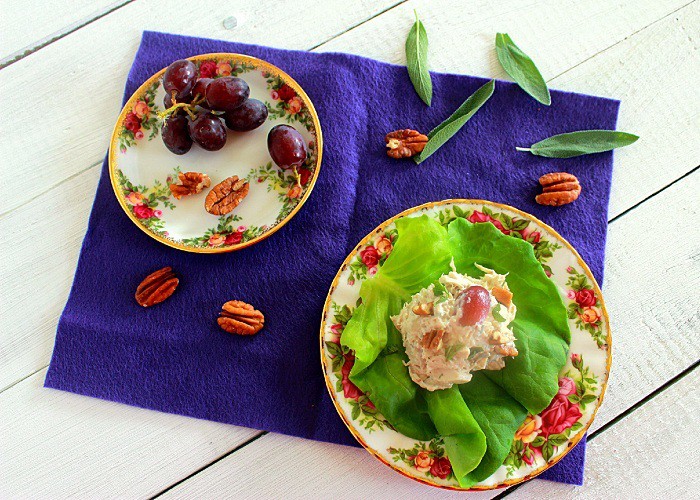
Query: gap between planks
point(48, 40)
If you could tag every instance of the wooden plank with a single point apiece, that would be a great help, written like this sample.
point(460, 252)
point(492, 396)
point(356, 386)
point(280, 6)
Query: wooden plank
point(39, 279)
point(586, 46)
point(55, 445)
point(81, 98)
point(277, 466)
point(651, 268)
point(646, 455)
point(33, 24)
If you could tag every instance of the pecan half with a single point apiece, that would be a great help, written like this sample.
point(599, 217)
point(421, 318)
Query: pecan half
point(405, 143)
point(240, 318)
point(189, 183)
point(156, 287)
point(502, 295)
point(423, 309)
point(226, 195)
point(506, 350)
point(432, 340)
point(558, 188)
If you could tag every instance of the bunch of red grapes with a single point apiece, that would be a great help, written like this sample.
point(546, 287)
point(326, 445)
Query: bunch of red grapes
point(197, 106)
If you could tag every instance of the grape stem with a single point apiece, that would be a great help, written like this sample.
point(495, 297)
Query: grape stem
point(297, 177)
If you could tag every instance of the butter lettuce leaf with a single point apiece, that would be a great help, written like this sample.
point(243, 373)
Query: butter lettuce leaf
point(388, 385)
point(498, 416)
point(465, 442)
point(420, 256)
point(477, 420)
point(540, 326)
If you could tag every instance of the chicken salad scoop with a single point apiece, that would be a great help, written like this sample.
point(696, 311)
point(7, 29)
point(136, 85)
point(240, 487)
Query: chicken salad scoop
point(457, 326)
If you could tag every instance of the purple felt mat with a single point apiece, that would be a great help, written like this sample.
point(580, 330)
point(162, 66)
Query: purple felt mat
point(174, 358)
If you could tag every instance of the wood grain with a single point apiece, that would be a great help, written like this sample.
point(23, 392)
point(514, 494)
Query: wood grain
point(34, 23)
point(647, 455)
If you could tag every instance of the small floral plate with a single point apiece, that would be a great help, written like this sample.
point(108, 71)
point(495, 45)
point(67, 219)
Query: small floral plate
point(141, 167)
point(542, 440)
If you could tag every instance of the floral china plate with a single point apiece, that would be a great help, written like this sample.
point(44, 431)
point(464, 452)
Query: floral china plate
point(141, 167)
point(542, 440)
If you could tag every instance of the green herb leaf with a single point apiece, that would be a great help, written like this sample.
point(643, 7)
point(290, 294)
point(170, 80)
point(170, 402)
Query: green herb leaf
point(452, 350)
point(497, 314)
point(521, 69)
point(417, 61)
point(439, 289)
point(583, 142)
point(474, 351)
point(443, 132)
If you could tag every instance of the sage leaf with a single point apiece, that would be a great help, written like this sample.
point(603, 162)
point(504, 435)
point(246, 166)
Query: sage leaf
point(443, 132)
point(417, 61)
point(452, 350)
point(497, 314)
point(583, 142)
point(521, 69)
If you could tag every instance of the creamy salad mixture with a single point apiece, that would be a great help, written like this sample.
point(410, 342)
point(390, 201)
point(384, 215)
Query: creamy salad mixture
point(457, 326)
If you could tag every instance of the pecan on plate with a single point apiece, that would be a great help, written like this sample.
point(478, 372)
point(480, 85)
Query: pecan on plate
point(433, 339)
point(558, 188)
point(405, 143)
point(240, 318)
point(156, 287)
point(189, 183)
point(226, 195)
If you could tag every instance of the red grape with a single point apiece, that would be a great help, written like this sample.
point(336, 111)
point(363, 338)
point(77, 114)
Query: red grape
point(175, 135)
point(475, 303)
point(249, 116)
point(180, 77)
point(227, 93)
point(287, 147)
point(208, 132)
point(200, 88)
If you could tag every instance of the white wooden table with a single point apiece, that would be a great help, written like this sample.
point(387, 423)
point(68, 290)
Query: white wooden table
point(62, 70)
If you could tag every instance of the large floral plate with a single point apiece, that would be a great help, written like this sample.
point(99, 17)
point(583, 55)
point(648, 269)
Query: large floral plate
point(542, 440)
point(141, 168)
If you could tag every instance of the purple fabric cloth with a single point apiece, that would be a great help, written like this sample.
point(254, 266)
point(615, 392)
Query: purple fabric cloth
point(174, 358)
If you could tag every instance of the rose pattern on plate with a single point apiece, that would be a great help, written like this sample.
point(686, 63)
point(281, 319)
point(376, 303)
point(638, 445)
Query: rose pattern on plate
point(540, 436)
point(286, 102)
point(142, 118)
point(144, 202)
point(216, 69)
point(225, 233)
point(584, 306)
point(371, 257)
point(342, 361)
point(290, 185)
point(428, 458)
